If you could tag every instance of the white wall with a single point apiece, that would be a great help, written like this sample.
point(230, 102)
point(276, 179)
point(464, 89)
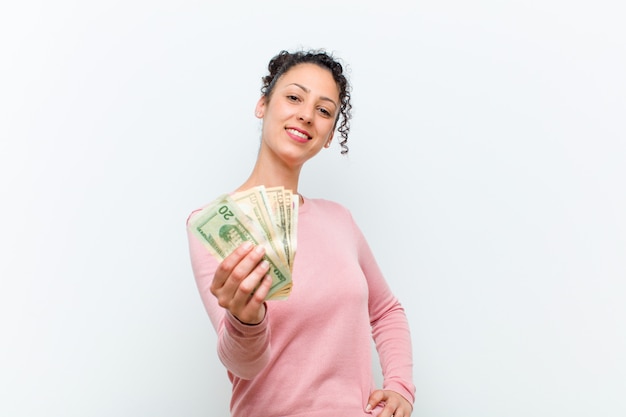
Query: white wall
point(486, 169)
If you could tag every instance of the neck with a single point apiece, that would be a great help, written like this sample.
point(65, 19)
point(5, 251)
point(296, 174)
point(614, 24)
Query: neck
point(274, 176)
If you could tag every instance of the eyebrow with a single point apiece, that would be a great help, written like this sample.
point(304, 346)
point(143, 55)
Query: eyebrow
point(308, 91)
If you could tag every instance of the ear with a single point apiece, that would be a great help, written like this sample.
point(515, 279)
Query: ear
point(259, 111)
point(330, 139)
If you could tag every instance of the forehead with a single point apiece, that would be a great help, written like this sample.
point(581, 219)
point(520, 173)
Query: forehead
point(317, 79)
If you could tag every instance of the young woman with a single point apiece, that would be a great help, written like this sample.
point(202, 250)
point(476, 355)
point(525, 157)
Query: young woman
point(308, 355)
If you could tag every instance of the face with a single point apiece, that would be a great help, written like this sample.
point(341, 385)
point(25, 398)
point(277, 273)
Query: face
point(299, 116)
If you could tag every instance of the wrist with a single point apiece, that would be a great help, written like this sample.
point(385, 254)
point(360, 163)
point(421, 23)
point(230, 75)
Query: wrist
point(254, 322)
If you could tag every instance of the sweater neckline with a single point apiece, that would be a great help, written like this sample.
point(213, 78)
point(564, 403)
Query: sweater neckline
point(304, 207)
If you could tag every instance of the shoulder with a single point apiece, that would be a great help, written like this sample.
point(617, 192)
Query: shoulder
point(330, 212)
point(320, 204)
point(194, 212)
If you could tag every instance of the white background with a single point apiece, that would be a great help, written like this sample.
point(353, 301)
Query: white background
point(487, 170)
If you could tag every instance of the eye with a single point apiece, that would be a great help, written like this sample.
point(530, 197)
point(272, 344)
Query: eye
point(291, 97)
point(325, 112)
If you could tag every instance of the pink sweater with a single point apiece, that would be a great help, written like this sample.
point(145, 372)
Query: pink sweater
point(311, 355)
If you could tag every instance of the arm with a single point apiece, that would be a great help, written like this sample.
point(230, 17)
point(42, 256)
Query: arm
point(390, 330)
point(226, 291)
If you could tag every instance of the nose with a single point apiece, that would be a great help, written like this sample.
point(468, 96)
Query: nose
point(306, 115)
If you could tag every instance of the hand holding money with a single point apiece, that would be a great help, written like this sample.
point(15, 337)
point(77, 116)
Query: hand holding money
point(264, 217)
point(241, 283)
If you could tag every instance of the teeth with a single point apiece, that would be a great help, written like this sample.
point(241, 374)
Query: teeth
point(300, 134)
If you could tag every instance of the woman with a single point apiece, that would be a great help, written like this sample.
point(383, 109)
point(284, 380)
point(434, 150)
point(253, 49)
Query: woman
point(309, 355)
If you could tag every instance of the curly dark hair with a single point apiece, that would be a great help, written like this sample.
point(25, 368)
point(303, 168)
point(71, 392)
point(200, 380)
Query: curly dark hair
point(285, 60)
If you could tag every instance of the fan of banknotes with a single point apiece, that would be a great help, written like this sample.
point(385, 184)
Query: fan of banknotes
point(264, 216)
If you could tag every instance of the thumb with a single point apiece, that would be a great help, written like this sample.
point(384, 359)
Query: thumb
point(375, 398)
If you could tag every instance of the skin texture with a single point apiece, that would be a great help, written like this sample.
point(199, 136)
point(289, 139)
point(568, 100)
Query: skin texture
point(304, 99)
point(285, 61)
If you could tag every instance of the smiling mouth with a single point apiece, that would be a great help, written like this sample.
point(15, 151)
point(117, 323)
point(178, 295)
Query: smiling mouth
point(299, 134)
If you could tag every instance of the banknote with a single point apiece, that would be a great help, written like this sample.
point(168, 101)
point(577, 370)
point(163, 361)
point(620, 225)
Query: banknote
point(222, 226)
point(277, 203)
point(292, 205)
point(254, 203)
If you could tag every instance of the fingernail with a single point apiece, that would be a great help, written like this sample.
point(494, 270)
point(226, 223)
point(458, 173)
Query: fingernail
point(247, 245)
point(260, 250)
point(368, 408)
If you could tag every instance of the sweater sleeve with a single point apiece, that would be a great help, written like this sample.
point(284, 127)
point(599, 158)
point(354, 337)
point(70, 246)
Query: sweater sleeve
point(243, 349)
point(390, 328)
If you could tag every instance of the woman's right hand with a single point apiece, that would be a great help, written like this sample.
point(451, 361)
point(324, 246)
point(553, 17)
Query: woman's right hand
point(241, 283)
